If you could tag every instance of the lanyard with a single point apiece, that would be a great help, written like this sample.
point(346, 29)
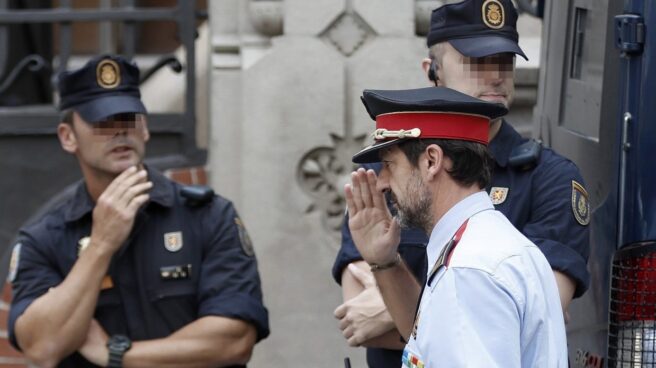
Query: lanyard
point(442, 261)
point(447, 252)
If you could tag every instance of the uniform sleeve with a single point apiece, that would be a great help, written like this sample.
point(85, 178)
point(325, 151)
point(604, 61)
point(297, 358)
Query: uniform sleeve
point(552, 225)
point(229, 281)
point(475, 322)
point(31, 275)
point(347, 252)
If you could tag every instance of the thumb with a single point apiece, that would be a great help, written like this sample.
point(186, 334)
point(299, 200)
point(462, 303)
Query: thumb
point(395, 228)
point(364, 277)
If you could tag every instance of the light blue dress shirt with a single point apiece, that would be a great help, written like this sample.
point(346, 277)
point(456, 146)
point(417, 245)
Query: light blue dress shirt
point(497, 302)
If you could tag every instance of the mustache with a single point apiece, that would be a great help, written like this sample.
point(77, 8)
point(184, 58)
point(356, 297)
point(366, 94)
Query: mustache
point(494, 92)
point(120, 141)
point(392, 202)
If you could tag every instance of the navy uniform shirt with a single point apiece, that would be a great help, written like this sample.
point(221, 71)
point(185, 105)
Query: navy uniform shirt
point(181, 262)
point(538, 200)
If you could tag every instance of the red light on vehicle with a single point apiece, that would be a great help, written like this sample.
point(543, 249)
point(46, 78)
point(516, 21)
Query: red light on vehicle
point(635, 289)
point(632, 329)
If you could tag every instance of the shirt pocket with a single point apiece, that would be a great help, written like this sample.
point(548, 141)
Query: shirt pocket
point(109, 311)
point(175, 301)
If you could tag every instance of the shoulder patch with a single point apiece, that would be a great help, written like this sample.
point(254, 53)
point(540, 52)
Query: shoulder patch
point(13, 263)
point(498, 195)
point(244, 238)
point(580, 203)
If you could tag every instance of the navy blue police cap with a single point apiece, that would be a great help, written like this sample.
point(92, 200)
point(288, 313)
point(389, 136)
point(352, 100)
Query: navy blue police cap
point(424, 113)
point(476, 28)
point(106, 85)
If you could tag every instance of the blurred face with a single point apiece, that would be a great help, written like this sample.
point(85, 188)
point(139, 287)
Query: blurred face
point(489, 78)
point(108, 146)
point(408, 193)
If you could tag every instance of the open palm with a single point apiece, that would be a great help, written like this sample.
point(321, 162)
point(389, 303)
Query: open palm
point(375, 232)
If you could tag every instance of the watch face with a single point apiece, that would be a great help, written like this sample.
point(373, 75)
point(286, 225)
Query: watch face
point(119, 342)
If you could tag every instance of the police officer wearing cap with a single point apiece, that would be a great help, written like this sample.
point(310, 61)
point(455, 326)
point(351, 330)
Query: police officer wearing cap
point(490, 298)
point(472, 45)
point(134, 269)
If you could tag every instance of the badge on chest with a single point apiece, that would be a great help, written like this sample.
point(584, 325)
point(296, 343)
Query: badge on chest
point(178, 272)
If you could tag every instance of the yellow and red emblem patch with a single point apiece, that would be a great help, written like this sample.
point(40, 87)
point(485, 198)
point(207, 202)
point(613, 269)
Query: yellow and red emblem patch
point(580, 203)
point(173, 241)
point(498, 195)
point(493, 14)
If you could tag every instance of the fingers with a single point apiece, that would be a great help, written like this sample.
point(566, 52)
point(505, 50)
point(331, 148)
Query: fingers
point(378, 197)
point(357, 190)
point(394, 232)
point(123, 191)
point(350, 204)
point(127, 172)
point(137, 202)
point(363, 177)
point(344, 323)
point(348, 332)
point(363, 193)
point(364, 277)
point(340, 311)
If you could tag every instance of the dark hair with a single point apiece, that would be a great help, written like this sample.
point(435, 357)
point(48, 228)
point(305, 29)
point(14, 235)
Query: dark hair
point(66, 116)
point(472, 162)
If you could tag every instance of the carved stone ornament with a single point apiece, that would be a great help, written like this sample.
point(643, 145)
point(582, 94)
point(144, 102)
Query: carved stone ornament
point(322, 174)
point(348, 33)
point(267, 16)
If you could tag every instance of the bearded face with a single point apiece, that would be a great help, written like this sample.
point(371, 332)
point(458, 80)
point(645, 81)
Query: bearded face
point(414, 204)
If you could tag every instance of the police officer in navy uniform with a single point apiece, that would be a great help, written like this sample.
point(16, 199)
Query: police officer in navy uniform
point(472, 46)
point(134, 269)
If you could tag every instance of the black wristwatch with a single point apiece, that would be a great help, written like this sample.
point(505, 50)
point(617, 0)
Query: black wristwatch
point(117, 345)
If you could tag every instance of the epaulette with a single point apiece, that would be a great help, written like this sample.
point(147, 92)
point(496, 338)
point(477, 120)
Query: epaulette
point(526, 155)
point(196, 195)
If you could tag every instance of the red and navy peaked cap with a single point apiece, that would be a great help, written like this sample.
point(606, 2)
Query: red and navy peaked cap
point(476, 28)
point(106, 85)
point(424, 113)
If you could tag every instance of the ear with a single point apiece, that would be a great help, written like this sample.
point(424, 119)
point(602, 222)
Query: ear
point(67, 137)
point(426, 65)
point(433, 161)
point(144, 130)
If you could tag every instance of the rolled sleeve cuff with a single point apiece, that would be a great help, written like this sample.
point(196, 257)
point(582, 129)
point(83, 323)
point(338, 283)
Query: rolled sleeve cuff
point(347, 254)
point(568, 261)
point(17, 310)
point(239, 306)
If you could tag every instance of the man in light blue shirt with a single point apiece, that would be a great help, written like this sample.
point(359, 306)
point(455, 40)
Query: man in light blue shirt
point(490, 299)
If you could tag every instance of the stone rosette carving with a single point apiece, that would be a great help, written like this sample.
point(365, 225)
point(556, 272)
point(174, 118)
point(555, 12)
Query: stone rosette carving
point(322, 173)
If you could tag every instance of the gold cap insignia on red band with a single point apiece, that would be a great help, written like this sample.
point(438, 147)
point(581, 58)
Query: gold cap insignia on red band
point(381, 134)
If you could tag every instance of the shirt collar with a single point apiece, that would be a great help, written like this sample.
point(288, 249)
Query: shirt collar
point(447, 226)
point(81, 204)
point(503, 143)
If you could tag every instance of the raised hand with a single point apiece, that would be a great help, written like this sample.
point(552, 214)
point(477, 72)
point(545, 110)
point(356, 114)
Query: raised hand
point(375, 232)
point(116, 208)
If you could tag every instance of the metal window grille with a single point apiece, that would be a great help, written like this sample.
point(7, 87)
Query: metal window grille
point(40, 119)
